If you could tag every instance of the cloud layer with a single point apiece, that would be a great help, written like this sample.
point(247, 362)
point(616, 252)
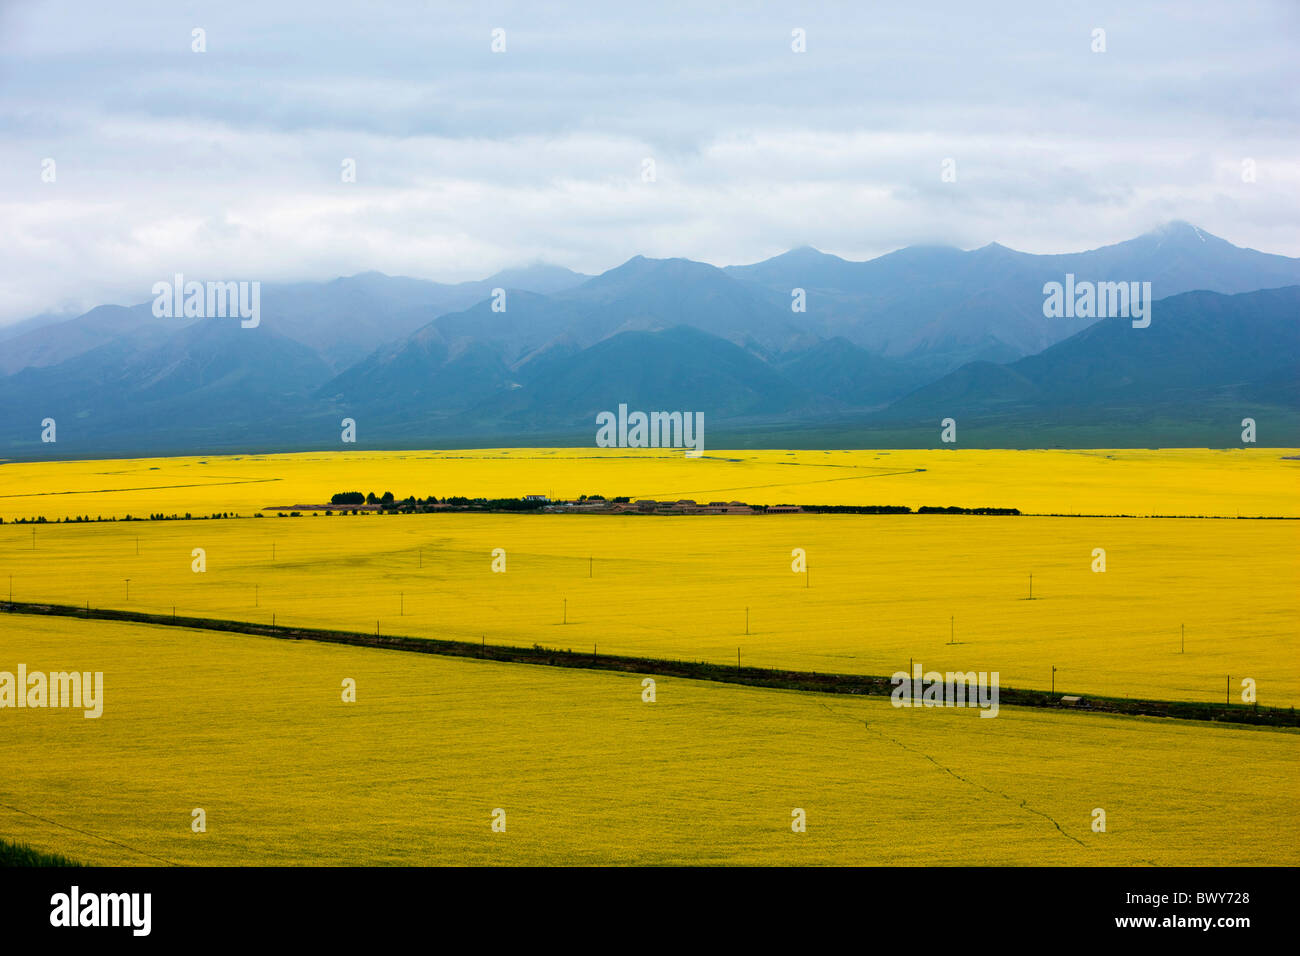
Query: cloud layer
point(227, 163)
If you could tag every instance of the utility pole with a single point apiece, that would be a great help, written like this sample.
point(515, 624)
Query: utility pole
point(1182, 647)
point(952, 629)
point(128, 589)
point(403, 604)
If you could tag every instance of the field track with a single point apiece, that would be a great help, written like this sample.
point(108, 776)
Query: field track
point(694, 670)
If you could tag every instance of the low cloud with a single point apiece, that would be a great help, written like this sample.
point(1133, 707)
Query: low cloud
point(226, 164)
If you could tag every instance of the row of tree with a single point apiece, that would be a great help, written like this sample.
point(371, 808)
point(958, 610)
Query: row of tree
point(411, 504)
point(901, 510)
point(160, 516)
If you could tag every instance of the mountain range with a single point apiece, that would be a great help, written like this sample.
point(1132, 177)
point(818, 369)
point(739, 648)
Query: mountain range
point(881, 350)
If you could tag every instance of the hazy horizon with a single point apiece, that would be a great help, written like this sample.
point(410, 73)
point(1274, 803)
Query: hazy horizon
point(541, 263)
point(228, 162)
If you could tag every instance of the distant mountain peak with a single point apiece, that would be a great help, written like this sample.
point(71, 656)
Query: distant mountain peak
point(1182, 231)
point(641, 266)
point(798, 255)
point(536, 266)
point(423, 360)
point(538, 276)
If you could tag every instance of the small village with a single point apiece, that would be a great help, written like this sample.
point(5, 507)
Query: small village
point(684, 506)
point(353, 502)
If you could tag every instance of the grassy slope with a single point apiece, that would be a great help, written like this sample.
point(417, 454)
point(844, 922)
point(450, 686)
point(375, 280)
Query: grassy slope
point(20, 854)
point(1241, 481)
point(883, 589)
point(254, 732)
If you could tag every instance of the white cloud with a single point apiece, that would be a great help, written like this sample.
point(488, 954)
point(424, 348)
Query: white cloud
point(226, 164)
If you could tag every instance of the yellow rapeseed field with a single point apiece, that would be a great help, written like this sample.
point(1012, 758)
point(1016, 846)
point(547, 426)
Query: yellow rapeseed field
point(254, 732)
point(948, 591)
point(1253, 481)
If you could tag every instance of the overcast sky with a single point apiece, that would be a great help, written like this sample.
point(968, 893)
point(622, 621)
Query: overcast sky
point(227, 164)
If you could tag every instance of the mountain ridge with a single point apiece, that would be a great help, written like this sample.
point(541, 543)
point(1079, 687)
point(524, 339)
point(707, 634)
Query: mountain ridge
point(880, 342)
